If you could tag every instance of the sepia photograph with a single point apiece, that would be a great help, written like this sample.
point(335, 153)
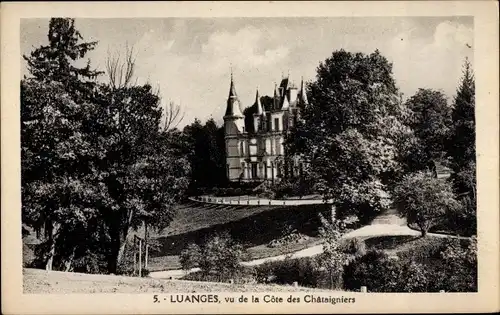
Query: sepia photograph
point(187, 156)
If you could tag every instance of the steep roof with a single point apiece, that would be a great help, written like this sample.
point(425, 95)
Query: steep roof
point(302, 94)
point(233, 102)
point(257, 103)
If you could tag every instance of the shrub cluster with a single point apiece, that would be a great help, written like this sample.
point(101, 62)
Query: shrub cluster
point(218, 258)
point(305, 271)
point(449, 266)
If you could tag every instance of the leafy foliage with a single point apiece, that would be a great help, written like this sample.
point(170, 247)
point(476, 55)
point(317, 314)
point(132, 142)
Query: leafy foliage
point(305, 271)
point(460, 266)
point(451, 266)
point(424, 200)
point(430, 120)
point(206, 152)
point(348, 134)
point(334, 258)
point(94, 162)
point(219, 256)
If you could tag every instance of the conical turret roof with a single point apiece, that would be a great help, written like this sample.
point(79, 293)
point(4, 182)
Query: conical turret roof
point(257, 103)
point(303, 94)
point(233, 102)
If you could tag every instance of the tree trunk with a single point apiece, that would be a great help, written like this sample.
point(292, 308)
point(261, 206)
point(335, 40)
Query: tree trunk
point(54, 227)
point(146, 244)
point(119, 231)
point(114, 250)
point(123, 237)
point(69, 262)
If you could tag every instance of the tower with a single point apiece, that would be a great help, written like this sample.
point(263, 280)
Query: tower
point(234, 127)
point(302, 94)
point(257, 117)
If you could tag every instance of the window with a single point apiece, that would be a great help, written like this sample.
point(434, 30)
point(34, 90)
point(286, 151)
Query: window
point(242, 148)
point(276, 124)
point(254, 170)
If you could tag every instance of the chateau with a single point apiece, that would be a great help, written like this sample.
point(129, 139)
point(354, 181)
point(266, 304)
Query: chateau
point(254, 136)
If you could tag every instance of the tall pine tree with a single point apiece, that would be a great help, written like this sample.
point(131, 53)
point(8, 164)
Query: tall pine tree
point(462, 146)
point(58, 192)
point(462, 152)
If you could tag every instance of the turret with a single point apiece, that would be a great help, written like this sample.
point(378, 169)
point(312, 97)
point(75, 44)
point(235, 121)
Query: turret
point(257, 116)
point(292, 91)
point(276, 97)
point(233, 119)
point(302, 94)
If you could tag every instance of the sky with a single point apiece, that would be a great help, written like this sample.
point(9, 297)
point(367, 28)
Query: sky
point(190, 59)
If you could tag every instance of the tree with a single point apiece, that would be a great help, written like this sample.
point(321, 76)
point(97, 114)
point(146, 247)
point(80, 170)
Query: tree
point(145, 177)
point(347, 135)
point(95, 163)
point(462, 145)
point(431, 122)
point(462, 151)
point(173, 115)
point(121, 73)
point(464, 218)
point(424, 200)
point(206, 154)
point(56, 61)
point(55, 110)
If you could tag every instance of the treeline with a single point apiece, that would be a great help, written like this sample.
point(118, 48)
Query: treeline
point(368, 150)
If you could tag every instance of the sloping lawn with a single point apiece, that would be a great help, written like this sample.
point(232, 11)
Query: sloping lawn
point(252, 226)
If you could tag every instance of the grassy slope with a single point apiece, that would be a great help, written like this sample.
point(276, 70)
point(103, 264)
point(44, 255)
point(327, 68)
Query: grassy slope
point(253, 226)
point(41, 281)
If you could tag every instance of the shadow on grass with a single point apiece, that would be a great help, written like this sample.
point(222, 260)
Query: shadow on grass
point(250, 231)
point(390, 242)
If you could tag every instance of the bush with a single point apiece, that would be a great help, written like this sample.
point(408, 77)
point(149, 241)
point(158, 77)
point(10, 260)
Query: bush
point(305, 271)
point(218, 257)
point(190, 256)
point(353, 246)
point(424, 252)
point(459, 273)
point(243, 276)
point(380, 273)
point(265, 191)
point(449, 266)
point(369, 270)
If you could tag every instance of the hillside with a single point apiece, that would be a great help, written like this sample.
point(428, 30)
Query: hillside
point(41, 281)
point(252, 226)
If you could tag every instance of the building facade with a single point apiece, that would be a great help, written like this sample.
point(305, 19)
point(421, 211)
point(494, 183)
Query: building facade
point(254, 136)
